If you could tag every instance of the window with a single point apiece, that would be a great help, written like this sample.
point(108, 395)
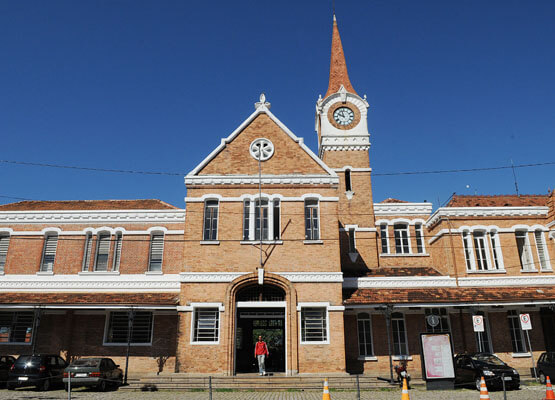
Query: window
point(419, 238)
point(401, 232)
point(400, 346)
point(348, 186)
point(352, 243)
point(312, 230)
point(4, 244)
point(118, 327)
point(483, 341)
point(16, 327)
point(443, 317)
point(482, 250)
point(210, 220)
point(156, 252)
point(384, 238)
point(364, 324)
point(543, 256)
point(117, 251)
point(87, 251)
point(102, 252)
point(313, 324)
point(263, 218)
point(524, 252)
point(517, 337)
point(207, 325)
point(49, 252)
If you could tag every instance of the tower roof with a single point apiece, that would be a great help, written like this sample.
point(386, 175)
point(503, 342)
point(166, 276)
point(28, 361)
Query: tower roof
point(338, 66)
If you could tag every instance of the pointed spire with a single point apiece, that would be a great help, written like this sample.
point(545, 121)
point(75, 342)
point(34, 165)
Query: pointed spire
point(338, 66)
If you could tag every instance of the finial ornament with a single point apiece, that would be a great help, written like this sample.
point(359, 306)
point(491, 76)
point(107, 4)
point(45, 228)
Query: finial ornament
point(262, 103)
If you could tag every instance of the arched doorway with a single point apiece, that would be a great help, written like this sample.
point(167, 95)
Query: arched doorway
point(260, 312)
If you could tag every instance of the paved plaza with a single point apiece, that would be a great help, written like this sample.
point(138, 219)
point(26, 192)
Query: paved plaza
point(534, 392)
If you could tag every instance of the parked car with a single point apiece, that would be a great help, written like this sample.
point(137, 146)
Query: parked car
point(98, 372)
point(6, 363)
point(42, 371)
point(469, 368)
point(546, 366)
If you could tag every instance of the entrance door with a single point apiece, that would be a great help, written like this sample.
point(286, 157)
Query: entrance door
point(268, 323)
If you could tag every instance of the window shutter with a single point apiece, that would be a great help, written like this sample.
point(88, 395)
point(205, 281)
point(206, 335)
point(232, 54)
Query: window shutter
point(50, 245)
point(87, 252)
point(102, 252)
point(4, 243)
point(117, 251)
point(156, 252)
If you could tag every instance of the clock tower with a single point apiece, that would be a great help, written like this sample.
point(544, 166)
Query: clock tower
point(343, 145)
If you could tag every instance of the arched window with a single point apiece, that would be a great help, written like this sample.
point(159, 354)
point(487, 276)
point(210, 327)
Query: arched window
point(260, 293)
point(49, 252)
point(348, 185)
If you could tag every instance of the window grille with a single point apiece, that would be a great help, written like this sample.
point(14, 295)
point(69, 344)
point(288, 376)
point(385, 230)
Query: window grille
point(542, 250)
point(117, 251)
point(4, 244)
point(400, 346)
point(401, 232)
point(443, 316)
point(313, 324)
point(260, 293)
point(156, 252)
point(87, 251)
point(364, 323)
point(523, 246)
point(207, 321)
point(16, 327)
point(517, 338)
point(419, 238)
point(384, 238)
point(311, 220)
point(118, 327)
point(102, 252)
point(210, 220)
point(49, 252)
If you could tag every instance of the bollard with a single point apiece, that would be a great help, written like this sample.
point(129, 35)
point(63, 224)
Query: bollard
point(504, 388)
point(210, 388)
point(358, 389)
point(69, 385)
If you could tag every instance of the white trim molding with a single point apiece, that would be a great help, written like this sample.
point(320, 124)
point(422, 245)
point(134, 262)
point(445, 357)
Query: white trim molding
point(266, 180)
point(388, 209)
point(255, 196)
point(91, 283)
point(92, 216)
point(447, 212)
point(224, 277)
point(398, 282)
point(501, 281)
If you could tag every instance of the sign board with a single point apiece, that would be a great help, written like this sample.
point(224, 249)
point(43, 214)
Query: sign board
point(525, 322)
point(478, 322)
point(437, 356)
point(433, 320)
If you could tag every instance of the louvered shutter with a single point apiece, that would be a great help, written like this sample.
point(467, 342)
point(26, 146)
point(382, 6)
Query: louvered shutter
point(87, 252)
point(117, 251)
point(4, 243)
point(156, 252)
point(49, 254)
point(102, 252)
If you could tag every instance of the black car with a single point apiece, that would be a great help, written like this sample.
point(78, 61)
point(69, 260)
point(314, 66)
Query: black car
point(6, 363)
point(100, 373)
point(469, 369)
point(546, 366)
point(41, 370)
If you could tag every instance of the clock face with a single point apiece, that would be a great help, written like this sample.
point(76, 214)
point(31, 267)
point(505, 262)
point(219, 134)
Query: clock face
point(343, 116)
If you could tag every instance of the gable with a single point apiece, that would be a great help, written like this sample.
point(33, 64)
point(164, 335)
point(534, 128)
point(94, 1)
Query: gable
point(291, 156)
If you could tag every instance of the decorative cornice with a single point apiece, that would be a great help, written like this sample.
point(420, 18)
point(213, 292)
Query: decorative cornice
point(344, 147)
point(266, 180)
point(320, 277)
point(209, 277)
point(125, 283)
point(493, 281)
point(384, 209)
point(90, 217)
point(443, 212)
point(398, 282)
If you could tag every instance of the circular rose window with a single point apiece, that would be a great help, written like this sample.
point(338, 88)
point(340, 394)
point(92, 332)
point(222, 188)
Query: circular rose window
point(262, 149)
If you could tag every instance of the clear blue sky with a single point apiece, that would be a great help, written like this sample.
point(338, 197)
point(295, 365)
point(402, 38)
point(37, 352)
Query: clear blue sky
point(154, 86)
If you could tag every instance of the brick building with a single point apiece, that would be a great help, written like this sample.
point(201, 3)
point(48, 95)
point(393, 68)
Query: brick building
point(282, 242)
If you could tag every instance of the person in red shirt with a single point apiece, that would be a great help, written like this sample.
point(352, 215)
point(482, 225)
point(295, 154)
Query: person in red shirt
point(260, 353)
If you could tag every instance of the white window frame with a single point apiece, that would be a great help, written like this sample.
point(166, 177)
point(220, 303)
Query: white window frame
point(317, 207)
point(406, 228)
point(543, 244)
point(48, 235)
point(419, 232)
point(489, 238)
point(527, 248)
point(370, 333)
point(406, 341)
point(252, 216)
point(152, 234)
point(514, 315)
point(496, 251)
point(5, 238)
point(199, 306)
point(107, 323)
point(217, 207)
point(384, 237)
point(97, 250)
point(481, 249)
point(322, 305)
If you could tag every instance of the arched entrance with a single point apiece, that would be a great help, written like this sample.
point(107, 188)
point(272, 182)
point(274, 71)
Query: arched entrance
point(260, 311)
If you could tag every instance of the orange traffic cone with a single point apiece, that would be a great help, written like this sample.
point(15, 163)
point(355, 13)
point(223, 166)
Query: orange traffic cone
point(326, 394)
point(405, 393)
point(548, 390)
point(484, 395)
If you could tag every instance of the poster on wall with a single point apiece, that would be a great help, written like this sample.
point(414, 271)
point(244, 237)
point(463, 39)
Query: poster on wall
point(437, 356)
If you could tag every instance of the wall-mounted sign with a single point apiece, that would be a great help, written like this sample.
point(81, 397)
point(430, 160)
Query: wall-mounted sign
point(437, 356)
point(478, 322)
point(525, 322)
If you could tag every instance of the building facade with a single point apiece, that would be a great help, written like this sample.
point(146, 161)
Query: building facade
point(282, 242)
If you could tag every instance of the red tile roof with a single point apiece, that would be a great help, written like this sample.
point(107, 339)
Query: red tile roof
point(147, 204)
point(447, 295)
point(392, 200)
point(338, 66)
point(395, 271)
point(504, 200)
point(169, 299)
